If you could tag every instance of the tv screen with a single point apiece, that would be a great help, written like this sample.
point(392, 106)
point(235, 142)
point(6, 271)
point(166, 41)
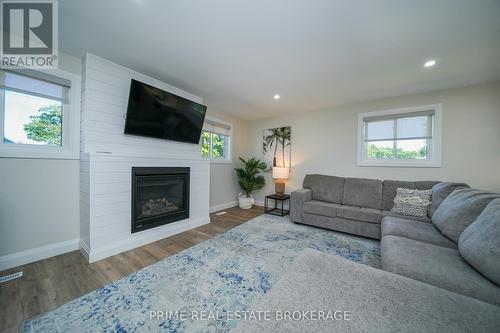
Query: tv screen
point(155, 113)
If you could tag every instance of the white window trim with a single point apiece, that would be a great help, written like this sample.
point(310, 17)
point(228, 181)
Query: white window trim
point(228, 144)
point(70, 130)
point(433, 162)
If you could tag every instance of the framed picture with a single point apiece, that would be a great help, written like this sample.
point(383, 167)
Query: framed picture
point(276, 147)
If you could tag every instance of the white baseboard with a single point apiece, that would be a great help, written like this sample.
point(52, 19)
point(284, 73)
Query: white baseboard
point(259, 203)
point(142, 239)
point(226, 205)
point(51, 250)
point(39, 253)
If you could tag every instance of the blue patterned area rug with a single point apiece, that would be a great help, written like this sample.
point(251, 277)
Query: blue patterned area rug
point(226, 273)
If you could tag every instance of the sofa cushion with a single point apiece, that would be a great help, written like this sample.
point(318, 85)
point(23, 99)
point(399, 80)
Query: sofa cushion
point(459, 210)
point(441, 191)
point(349, 226)
point(360, 214)
point(320, 208)
point(389, 191)
point(416, 230)
point(363, 192)
point(389, 213)
point(479, 244)
point(325, 188)
point(412, 202)
point(378, 301)
point(437, 265)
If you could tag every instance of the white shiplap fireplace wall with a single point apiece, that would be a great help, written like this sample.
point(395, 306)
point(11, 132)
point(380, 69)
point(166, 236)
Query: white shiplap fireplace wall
point(107, 158)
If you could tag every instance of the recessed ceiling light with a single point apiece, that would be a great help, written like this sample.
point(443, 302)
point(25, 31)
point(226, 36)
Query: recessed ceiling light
point(430, 63)
point(276, 97)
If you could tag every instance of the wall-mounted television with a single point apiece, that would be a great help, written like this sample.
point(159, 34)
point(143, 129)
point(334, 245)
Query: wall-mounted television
point(156, 113)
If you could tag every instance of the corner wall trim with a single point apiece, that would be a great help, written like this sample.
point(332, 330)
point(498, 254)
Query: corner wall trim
point(84, 249)
point(223, 206)
point(39, 253)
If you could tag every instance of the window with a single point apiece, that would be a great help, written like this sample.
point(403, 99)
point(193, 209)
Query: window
point(215, 140)
point(35, 117)
point(403, 137)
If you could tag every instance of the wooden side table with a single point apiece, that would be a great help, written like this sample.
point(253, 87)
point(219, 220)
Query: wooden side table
point(276, 210)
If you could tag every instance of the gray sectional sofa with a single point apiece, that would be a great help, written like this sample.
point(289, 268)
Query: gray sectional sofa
point(456, 247)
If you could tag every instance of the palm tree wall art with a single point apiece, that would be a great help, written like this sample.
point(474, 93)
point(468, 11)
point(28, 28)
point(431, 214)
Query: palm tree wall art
point(276, 146)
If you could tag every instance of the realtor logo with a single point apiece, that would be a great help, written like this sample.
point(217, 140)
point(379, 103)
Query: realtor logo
point(29, 34)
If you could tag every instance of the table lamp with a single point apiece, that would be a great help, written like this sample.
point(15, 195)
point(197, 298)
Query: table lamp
point(280, 173)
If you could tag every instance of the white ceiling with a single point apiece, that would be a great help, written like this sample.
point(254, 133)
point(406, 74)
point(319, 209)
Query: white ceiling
point(315, 53)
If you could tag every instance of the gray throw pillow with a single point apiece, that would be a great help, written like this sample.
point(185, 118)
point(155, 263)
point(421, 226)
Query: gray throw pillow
point(459, 210)
point(440, 192)
point(479, 244)
point(412, 202)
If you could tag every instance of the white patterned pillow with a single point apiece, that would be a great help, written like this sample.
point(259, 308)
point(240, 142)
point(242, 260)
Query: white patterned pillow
point(411, 202)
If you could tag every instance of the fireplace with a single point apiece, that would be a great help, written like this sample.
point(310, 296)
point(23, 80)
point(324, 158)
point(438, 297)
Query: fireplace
point(159, 196)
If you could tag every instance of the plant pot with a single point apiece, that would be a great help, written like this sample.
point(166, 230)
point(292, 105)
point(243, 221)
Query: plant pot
point(245, 202)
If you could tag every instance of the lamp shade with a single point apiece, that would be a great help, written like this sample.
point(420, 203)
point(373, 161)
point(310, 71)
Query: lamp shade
point(280, 173)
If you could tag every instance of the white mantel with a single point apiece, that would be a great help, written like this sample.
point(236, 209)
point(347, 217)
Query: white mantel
point(108, 155)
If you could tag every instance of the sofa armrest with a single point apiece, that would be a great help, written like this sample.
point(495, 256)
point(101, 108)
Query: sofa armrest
point(297, 199)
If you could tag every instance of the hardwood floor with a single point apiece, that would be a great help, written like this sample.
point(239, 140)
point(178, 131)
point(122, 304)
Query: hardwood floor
point(49, 283)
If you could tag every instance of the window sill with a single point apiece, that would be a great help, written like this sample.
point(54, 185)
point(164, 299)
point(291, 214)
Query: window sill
point(217, 161)
point(213, 161)
point(40, 153)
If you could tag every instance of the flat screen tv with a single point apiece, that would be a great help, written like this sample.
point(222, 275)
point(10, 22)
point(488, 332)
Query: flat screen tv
point(156, 113)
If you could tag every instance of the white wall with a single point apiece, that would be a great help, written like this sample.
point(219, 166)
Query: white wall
point(38, 199)
point(108, 156)
point(325, 141)
point(38, 203)
point(224, 186)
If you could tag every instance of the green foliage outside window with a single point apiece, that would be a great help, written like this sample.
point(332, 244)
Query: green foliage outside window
point(412, 154)
point(387, 153)
point(46, 126)
point(205, 144)
point(218, 146)
point(379, 152)
point(218, 142)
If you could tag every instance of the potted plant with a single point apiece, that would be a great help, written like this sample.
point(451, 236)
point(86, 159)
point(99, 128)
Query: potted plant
point(249, 180)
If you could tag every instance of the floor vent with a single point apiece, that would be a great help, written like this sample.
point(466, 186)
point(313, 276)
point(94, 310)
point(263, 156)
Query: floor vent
point(220, 213)
point(11, 276)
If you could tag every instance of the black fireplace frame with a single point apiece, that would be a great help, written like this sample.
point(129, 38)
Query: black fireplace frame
point(159, 220)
